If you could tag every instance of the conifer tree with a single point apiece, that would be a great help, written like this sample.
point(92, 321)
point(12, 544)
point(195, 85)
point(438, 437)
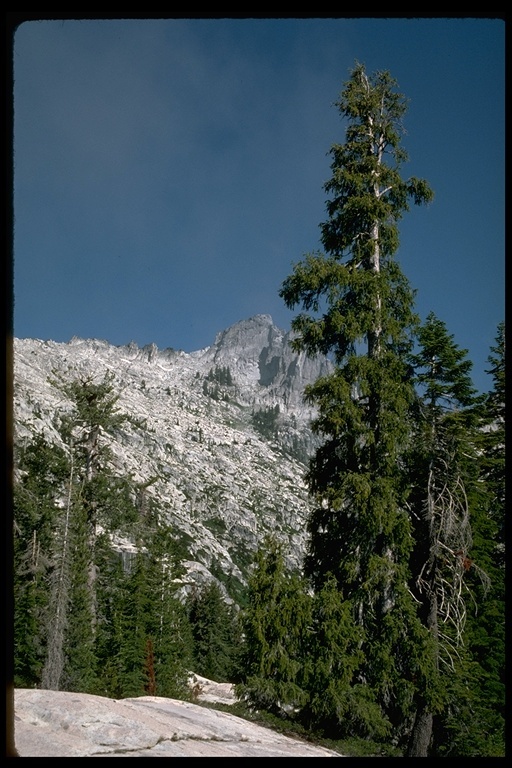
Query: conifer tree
point(473, 720)
point(62, 492)
point(94, 413)
point(40, 470)
point(79, 646)
point(82, 623)
point(214, 629)
point(493, 457)
point(275, 628)
point(152, 632)
point(58, 608)
point(439, 503)
point(130, 618)
point(167, 622)
point(110, 588)
point(357, 307)
point(333, 656)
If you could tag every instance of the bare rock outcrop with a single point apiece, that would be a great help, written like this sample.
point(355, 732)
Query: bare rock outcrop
point(218, 439)
point(64, 724)
point(211, 691)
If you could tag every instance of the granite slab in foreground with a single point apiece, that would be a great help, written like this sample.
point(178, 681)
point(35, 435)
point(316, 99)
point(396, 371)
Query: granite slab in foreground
point(64, 724)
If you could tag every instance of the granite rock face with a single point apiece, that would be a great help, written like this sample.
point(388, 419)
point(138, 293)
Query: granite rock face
point(192, 438)
point(264, 363)
point(63, 724)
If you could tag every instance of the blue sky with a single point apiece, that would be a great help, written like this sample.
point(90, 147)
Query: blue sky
point(168, 173)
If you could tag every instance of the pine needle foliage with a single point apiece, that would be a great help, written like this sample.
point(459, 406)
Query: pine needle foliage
point(357, 307)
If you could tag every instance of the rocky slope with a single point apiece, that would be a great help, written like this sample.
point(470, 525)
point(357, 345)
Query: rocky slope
point(64, 724)
point(220, 437)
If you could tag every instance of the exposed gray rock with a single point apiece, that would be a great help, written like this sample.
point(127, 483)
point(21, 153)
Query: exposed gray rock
point(211, 691)
point(260, 354)
point(63, 724)
point(191, 436)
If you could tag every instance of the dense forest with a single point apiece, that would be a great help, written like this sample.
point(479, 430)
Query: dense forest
point(393, 632)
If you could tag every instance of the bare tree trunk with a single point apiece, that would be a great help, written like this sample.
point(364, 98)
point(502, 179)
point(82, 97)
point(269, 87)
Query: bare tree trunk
point(54, 662)
point(421, 735)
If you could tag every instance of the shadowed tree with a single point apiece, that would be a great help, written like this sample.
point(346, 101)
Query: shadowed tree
point(441, 558)
point(151, 628)
point(41, 470)
point(473, 719)
point(275, 628)
point(214, 629)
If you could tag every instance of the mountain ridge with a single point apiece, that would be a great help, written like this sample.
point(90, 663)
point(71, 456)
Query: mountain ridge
point(220, 435)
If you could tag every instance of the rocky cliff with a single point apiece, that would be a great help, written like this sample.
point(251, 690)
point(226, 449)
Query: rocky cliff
point(219, 436)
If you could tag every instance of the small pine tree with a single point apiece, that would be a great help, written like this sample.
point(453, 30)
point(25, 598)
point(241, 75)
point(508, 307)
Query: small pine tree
point(492, 415)
point(214, 629)
point(130, 618)
point(333, 657)
point(275, 627)
point(110, 587)
point(152, 617)
point(167, 621)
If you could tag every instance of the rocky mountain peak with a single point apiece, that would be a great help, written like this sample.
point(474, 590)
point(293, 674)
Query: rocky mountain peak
point(260, 355)
point(220, 436)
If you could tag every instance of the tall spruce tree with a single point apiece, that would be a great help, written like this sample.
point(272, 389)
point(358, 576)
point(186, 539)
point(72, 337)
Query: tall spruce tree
point(358, 309)
point(93, 413)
